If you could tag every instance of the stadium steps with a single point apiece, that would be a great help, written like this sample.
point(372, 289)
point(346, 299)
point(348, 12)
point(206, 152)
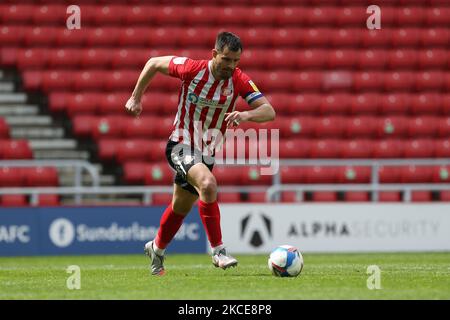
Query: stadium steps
point(47, 138)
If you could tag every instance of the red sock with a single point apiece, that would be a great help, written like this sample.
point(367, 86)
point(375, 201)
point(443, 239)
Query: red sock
point(168, 227)
point(210, 214)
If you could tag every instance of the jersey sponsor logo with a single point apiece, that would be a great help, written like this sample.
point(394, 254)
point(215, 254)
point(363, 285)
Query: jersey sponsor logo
point(179, 60)
point(253, 85)
point(193, 98)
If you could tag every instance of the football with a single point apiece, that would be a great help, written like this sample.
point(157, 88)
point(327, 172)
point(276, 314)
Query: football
point(285, 261)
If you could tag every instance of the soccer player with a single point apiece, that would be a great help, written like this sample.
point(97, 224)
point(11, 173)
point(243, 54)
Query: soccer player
point(207, 98)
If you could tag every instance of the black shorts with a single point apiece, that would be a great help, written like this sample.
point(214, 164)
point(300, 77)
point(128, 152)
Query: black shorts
point(181, 158)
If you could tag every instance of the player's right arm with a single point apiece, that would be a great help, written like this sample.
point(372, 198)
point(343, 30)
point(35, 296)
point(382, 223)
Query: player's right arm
point(153, 65)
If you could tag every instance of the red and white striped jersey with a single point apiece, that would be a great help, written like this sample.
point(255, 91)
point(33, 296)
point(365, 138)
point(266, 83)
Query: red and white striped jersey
point(203, 100)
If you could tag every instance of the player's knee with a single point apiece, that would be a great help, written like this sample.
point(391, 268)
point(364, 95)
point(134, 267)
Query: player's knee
point(181, 207)
point(208, 187)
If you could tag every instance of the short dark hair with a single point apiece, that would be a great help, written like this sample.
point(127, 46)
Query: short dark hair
point(228, 39)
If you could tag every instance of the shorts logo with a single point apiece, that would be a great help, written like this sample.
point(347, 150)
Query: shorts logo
point(193, 98)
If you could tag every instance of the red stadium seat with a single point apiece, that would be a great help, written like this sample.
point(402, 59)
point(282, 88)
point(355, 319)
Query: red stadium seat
point(282, 59)
point(15, 149)
point(388, 149)
point(32, 59)
point(109, 14)
point(290, 196)
point(351, 16)
point(256, 197)
point(434, 37)
point(229, 197)
point(57, 80)
point(49, 14)
point(433, 58)
point(306, 104)
point(316, 37)
point(389, 196)
point(389, 174)
point(13, 200)
point(419, 148)
point(311, 58)
point(342, 58)
point(201, 15)
point(394, 126)
point(307, 81)
point(372, 59)
point(330, 127)
point(426, 103)
point(328, 148)
point(442, 148)
point(4, 129)
point(444, 127)
point(324, 196)
point(365, 103)
point(18, 14)
point(107, 149)
point(83, 103)
point(353, 174)
point(76, 37)
point(142, 127)
point(366, 81)
point(403, 80)
point(40, 36)
point(129, 58)
point(321, 174)
point(346, 38)
point(294, 148)
point(102, 36)
point(376, 38)
point(416, 174)
point(91, 80)
point(134, 172)
point(362, 149)
point(405, 37)
point(48, 200)
point(395, 103)
point(403, 59)
point(437, 16)
point(113, 103)
point(360, 127)
point(293, 174)
point(298, 127)
point(41, 176)
point(159, 174)
point(253, 176)
point(11, 177)
point(413, 16)
point(108, 126)
point(441, 174)
point(286, 37)
point(134, 150)
point(423, 126)
point(134, 36)
point(95, 58)
point(334, 104)
point(228, 175)
point(64, 58)
point(291, 15)
point(83, 126)
point(444, 196)
point(429, 80)
point(421, 196)
point(357, 196)
point(161, 199)
point(321, 16)
point(138, 14)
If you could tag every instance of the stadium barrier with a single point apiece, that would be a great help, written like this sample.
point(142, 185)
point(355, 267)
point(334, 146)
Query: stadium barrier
point(90, 230)
point(336, 227)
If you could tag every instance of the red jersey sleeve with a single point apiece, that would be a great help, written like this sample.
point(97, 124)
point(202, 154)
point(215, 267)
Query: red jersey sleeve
point(184, 68)
point(247, 88)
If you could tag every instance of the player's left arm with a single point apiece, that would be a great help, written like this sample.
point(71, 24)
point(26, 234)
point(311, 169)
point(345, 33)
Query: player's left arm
point(261, 111)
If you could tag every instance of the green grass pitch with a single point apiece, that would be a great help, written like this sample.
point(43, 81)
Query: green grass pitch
point(325, 276)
